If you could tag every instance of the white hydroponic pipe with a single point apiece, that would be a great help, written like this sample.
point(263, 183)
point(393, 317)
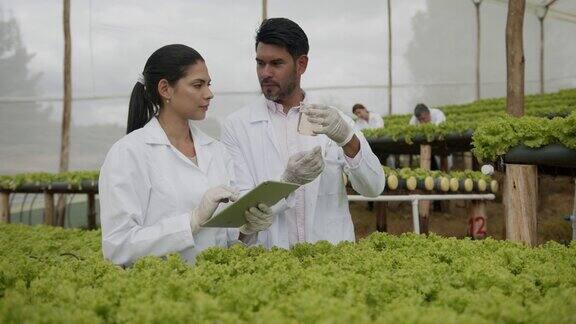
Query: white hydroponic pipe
point(417, 197)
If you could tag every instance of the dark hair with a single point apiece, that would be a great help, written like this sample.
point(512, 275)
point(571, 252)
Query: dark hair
point(420, 109)
point(169, 62)
point(357, 106)
point(285, 33)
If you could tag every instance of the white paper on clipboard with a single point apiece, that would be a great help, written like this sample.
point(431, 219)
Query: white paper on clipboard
point(268, 192)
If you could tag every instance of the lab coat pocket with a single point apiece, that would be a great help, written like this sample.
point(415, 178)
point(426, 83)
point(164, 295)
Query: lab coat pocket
point(331, 181)
point(162, 198)
point(329, 224)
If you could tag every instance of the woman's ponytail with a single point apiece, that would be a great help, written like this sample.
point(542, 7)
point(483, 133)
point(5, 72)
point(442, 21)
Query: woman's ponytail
point(140, 110)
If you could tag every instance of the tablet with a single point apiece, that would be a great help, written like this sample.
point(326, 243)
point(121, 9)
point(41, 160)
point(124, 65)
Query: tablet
point(268, 192)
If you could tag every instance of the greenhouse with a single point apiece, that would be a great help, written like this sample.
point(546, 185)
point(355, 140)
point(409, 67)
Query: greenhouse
point(271, 161)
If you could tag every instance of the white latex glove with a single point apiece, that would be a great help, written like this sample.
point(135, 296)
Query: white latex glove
point(329, 122)
point(208, 204)
point(257, 219)
point(304, 167)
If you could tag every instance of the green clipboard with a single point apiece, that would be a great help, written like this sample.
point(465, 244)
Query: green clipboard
point(268, 192)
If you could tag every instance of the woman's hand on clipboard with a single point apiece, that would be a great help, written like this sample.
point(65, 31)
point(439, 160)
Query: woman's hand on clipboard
point(209, 203)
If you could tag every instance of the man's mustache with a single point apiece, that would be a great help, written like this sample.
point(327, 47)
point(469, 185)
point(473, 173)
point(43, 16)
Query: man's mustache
point(268, 82)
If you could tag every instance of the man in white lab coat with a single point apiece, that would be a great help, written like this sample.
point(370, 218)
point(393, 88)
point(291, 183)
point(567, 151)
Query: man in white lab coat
point(365, 118)
point(264, 143)
point(425, 115)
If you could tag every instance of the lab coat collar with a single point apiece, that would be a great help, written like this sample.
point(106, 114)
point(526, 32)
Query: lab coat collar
point(201, 141)
point(156, 135)
point(259, 111)
point(199, 136)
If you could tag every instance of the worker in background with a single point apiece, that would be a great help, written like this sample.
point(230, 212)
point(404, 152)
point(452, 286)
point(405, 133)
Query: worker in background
point(365, 118)
point(425, 115)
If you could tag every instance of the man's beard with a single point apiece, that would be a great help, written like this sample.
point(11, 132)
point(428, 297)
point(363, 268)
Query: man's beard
point(284, 91)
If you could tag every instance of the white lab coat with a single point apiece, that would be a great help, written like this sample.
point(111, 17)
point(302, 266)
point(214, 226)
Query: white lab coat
point(437, 117)
point(147, 190)
point(249, 137)
point(374, 121)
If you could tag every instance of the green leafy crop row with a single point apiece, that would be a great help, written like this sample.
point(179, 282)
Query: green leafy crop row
point(53, 275)
point(74, 178)
point(467, 117)
point(495, 137)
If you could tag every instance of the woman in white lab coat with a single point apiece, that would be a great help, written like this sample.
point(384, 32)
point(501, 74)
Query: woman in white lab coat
point(165, 178)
